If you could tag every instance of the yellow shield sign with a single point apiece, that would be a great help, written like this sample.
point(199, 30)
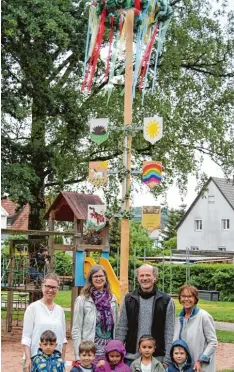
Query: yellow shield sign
point(151, 218)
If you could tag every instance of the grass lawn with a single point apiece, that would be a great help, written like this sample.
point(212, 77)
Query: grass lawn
point(220, 311)
point(64, 298)
point(225, 336)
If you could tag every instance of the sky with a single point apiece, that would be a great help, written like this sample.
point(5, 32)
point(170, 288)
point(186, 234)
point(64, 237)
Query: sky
point(174, 199)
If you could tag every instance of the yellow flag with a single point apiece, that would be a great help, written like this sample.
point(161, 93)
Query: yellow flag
point(151, 218)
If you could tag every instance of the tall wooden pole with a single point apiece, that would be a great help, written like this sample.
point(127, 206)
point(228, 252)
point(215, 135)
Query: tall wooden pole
point(125, 230)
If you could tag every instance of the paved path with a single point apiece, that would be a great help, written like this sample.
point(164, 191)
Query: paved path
point(224, 326)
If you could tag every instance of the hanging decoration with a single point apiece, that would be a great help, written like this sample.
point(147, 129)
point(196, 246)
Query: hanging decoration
point(153, 128)
point(151, 21)
point(98, 130)
point(98, 172)
point(96, 217)
point(152, 173)
point(151, 218)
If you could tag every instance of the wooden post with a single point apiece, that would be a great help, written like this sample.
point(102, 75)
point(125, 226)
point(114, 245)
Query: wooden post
point(125, 230)
point(10, 294)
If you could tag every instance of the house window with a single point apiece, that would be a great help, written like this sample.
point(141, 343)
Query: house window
point(222, 248)
point(198, 225)
point(9, 222)
point(194, 248)
point(211, 199)
point(225, 224)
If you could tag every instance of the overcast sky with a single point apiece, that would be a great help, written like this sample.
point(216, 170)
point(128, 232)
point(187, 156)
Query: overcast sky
point(174, 199)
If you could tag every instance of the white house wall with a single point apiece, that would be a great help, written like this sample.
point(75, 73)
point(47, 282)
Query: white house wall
point(4, 215)
point(212, 236)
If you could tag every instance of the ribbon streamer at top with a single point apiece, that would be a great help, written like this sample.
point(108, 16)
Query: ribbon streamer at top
point(151, 21)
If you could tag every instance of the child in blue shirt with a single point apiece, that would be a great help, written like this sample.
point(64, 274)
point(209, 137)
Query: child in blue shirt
point(180, 356)
point(48, 358)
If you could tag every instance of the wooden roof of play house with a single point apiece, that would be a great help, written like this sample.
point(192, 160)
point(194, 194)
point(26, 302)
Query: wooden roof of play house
point(68, 204)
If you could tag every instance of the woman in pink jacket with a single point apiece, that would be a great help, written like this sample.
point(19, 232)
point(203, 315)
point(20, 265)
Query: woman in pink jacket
point(115, 352)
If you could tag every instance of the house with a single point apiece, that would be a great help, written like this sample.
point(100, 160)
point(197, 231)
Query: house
point(208, 224)
point(16, 218)
point(4, 215)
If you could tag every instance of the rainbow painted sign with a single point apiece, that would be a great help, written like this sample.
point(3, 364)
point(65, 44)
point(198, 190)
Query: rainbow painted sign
point(152, 173)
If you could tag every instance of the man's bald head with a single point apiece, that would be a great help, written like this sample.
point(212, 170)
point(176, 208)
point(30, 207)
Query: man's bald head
point(147, 276)
point(147, 267)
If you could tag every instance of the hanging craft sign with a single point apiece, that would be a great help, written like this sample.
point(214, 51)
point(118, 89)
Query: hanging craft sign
point(96, 216)
point(152, 173)
point(153, 128)
point(98, 130)
point(98, 172)
point(151, 218)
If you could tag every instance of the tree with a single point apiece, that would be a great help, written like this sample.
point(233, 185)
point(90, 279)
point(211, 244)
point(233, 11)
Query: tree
point(45, 133)
point(139, 242)
point(139, 238)
point(170, 244)
point(174, 217)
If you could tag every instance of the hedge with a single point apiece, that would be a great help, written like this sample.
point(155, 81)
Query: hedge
point(218, 277)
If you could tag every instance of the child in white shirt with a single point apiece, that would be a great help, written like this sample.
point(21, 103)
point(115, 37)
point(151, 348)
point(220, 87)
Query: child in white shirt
point(147, 363)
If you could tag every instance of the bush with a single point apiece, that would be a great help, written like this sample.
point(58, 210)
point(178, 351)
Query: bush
point(218, 277)
point(171, 243)
point(62, 263)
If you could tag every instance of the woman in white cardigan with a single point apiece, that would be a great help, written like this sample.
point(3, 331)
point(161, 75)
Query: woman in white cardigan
point(196, 327)
point(95, 313)
point(43, 315)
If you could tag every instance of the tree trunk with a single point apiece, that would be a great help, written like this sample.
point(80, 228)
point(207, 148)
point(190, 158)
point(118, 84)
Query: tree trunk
point(39, 159)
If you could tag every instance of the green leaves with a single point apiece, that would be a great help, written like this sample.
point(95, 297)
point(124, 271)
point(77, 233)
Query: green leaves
point(46, 116)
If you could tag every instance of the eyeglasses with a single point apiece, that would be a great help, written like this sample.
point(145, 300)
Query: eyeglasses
point(50, 287)
point(189, 296)
point(98, 276)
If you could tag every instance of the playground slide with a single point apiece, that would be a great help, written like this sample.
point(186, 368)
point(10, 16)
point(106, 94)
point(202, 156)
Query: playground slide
point(88, 263)
point(115, 286)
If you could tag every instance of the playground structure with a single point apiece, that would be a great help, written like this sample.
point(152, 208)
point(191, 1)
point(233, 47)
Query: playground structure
point(71, 207)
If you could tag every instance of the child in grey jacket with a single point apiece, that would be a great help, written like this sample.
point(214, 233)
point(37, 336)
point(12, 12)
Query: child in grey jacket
point(147, 363)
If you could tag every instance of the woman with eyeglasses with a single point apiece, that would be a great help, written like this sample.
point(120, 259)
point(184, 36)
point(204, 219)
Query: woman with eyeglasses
point(196, 327)
point(95, 313)
point(40, 316)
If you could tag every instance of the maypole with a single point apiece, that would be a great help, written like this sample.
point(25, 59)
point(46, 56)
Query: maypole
point(149, 20)
point(125, 228)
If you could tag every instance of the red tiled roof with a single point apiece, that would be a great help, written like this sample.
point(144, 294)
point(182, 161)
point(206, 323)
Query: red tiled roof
point(21, 221)
point(68, 204)
point(9, 206)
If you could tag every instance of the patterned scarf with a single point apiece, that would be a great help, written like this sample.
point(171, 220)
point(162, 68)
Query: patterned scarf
point(102, 300)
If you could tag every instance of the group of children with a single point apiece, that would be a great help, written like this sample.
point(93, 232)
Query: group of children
point(49, 359)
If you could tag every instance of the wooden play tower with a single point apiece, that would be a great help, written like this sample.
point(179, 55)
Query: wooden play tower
point(73, 207)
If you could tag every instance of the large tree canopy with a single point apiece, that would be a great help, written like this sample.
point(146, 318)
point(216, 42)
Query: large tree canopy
point(45, 135)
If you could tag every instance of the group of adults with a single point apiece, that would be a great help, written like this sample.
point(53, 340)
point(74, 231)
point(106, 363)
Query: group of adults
point(146, 310)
